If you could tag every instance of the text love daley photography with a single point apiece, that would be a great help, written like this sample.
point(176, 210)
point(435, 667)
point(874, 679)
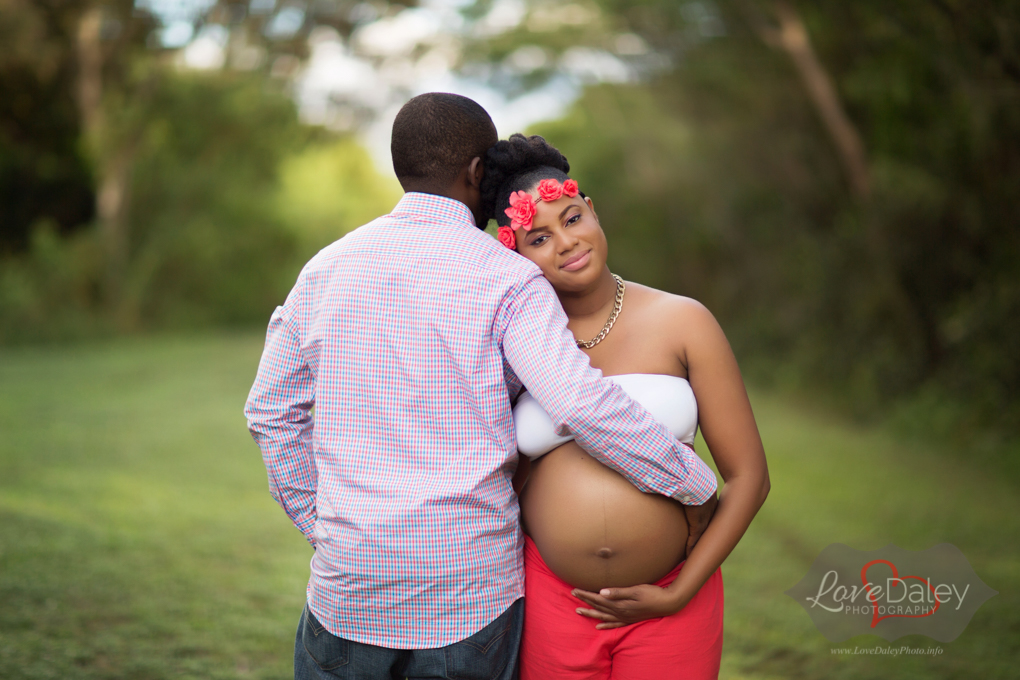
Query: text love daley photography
point(891, 592)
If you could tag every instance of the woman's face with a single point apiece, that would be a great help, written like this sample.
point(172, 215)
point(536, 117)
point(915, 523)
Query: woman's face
point(566, 242)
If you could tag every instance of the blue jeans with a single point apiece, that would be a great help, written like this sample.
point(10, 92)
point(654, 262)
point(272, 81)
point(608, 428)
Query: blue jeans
point(489, 654)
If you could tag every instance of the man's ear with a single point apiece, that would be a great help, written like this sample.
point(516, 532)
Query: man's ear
point(476, 170)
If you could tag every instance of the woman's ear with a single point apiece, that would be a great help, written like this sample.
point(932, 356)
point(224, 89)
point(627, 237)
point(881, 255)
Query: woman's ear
point(591, 206)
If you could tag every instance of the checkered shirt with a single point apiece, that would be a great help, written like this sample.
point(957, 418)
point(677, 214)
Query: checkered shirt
point(410, 336)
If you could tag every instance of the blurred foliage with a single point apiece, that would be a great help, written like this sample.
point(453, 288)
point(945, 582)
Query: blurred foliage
point(203, 244)
point(331, 188)
point(717, 180)
point(219, 193)
point(716, 172)
point(229, 196)
point(44, 171)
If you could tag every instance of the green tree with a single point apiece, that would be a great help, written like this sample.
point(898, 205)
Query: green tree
point(838, 181)
point(138, 195)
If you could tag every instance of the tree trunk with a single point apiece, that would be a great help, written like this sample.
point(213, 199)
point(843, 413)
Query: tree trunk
point(113, 166)
point(792, 37)
point(90, 70)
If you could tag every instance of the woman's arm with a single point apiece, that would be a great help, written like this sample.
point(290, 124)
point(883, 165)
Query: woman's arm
point(727, 423)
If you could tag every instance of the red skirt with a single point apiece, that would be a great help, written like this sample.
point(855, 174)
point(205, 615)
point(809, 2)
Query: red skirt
point(560, 644)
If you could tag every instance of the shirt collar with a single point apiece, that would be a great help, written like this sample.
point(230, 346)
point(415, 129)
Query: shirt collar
point(433, 208)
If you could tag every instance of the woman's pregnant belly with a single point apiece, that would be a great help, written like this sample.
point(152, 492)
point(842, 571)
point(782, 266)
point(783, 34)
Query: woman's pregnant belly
point(595, 529)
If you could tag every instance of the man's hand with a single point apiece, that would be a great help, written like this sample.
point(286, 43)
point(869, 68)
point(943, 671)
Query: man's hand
point(616, 607)
point(698, 517)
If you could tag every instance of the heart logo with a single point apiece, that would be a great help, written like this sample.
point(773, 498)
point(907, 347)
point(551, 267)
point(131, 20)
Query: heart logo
point(875, 618)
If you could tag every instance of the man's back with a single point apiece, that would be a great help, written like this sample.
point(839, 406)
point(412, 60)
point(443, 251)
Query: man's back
point(393, 333)
point(408, 338)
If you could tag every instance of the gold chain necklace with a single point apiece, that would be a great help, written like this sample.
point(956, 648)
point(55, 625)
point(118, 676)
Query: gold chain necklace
point(620, 288)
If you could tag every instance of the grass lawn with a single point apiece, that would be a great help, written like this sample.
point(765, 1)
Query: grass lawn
point(138, 538)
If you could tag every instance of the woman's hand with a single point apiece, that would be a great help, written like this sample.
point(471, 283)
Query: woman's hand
point(616, 607)
point(698, 517)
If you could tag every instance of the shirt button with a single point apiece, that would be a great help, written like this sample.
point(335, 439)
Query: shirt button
point(686, 499)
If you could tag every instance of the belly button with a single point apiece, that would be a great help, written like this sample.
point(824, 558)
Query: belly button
point(605, 553)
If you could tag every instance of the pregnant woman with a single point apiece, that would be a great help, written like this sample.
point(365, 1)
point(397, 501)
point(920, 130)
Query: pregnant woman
point(611, 591)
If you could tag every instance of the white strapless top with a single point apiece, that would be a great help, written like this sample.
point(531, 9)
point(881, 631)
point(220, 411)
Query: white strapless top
point(668, 398)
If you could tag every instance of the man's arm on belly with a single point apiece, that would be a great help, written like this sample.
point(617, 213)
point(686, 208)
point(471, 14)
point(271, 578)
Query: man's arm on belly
point(614, 428)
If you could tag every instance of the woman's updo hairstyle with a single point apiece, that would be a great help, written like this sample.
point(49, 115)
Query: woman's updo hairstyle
point(518, 164)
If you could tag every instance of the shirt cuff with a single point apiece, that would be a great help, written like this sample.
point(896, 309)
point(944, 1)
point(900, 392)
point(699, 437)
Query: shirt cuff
point(701, 484)
point(307, 527)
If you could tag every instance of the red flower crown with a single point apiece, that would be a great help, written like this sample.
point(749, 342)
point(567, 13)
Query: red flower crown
point(523, 207)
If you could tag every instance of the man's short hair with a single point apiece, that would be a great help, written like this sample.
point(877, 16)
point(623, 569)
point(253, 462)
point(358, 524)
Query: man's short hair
point(435, 135)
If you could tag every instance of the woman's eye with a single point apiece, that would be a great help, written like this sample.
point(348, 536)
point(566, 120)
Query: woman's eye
point(539, 241)
point(573, 219)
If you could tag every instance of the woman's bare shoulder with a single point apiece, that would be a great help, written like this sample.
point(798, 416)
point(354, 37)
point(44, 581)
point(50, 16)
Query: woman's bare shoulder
point(676, 311)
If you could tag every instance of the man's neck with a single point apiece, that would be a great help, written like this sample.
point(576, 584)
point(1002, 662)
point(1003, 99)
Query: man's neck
point(451, 195)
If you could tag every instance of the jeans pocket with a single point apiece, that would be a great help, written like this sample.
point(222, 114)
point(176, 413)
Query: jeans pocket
point(486, 654)
point(330, 653)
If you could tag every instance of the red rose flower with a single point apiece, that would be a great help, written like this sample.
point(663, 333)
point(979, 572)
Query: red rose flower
point(549, 190)
point(521, 211)
point(570, 188)
point(506, 237)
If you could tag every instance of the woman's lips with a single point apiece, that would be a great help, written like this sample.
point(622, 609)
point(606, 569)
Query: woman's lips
point(577, 261)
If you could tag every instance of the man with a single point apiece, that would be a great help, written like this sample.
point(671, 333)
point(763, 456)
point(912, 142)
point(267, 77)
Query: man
point(410, 336)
